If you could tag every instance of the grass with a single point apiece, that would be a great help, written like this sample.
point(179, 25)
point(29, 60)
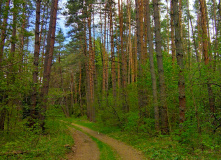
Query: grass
point(106, 152)
point(33, 145)
point(153, 147)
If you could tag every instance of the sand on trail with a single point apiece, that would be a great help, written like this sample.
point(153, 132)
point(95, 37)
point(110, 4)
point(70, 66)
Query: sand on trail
point(124, 151)
point(84, 149)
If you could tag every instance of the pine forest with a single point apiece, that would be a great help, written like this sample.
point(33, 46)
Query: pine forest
point(145, 74)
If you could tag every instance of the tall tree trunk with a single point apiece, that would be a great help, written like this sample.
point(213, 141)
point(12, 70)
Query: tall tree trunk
point(163, 103)
point(48, 58)
point(135, 57)
point(139, 26)
point(130, 67)
point(45, 15)
point(172, 35)
point(36, 59)
point(152, 69)
point(79, 90)
point(104, 56)
point(3, 31)
point(113, 73)
point(204, 34)
point(189, 40)
point(199, 28)
point(206, 54)
point(123, 58)
point(3, 110)
point(22, 36)
point(91, 71)
point(216, 33)
point(14, 28)
point(179, 55)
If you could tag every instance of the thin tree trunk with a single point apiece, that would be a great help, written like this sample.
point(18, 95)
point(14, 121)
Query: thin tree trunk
point(79, 90)
point(194, 38)
point(14, 28)
point(179, 55)
point(123, 58)
point(104, 60)
point(135, 58)
point(163, 103)
point(36, 59)
point(22, 39)
point(142, 95)
point(152, 69)
point(189, 40)
point(200, 43)
point(113, 73)
point(172, 35)
point(91, 72)
point(3, 32)
point(206, 54)
point(131, 71)
point(43, 41)
point(216, 33)
point(3, 111)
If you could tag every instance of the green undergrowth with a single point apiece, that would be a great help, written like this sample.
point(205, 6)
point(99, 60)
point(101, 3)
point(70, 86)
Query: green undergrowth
point(153, 147)
point(28, 143)
point(106, 152)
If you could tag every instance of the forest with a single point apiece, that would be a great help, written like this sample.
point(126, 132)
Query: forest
point(144, 72)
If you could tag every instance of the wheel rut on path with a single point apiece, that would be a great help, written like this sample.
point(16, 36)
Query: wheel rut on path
point(125, 152)
point(84, 149)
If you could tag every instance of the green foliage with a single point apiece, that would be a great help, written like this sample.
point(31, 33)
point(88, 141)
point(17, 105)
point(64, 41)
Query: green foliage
point(33, 145)
point(106, 152)
point(132, 122)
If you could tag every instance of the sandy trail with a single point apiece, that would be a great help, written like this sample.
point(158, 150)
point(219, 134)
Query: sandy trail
point(84, 149)
point(125, 152)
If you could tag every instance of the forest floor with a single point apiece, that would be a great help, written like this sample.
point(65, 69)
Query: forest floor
point(85, 148)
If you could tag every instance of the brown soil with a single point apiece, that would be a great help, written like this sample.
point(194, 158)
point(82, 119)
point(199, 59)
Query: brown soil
point(125, 152)
point(84, 149)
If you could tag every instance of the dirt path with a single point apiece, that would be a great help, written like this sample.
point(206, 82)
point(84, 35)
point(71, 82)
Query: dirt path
point(84, 149)
point(125, 152)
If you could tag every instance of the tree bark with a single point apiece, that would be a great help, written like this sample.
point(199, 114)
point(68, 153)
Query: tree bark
point(205, 53)
point(14, 28)
point(162, 86)
point(152, 69)
point(91, 72)
point(49, 57)
point(3, 31)
point(3, 111)
point(130, 67)
point(123, 58)
point(36, 59)
point(216, 33)
point(179, 55)
point(142, 96)
point(113, 73)
point(172, 35)
point(204, 34)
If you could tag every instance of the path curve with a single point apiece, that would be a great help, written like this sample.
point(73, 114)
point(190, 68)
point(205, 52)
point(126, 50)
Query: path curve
point(125, 152)
point(84, 149)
